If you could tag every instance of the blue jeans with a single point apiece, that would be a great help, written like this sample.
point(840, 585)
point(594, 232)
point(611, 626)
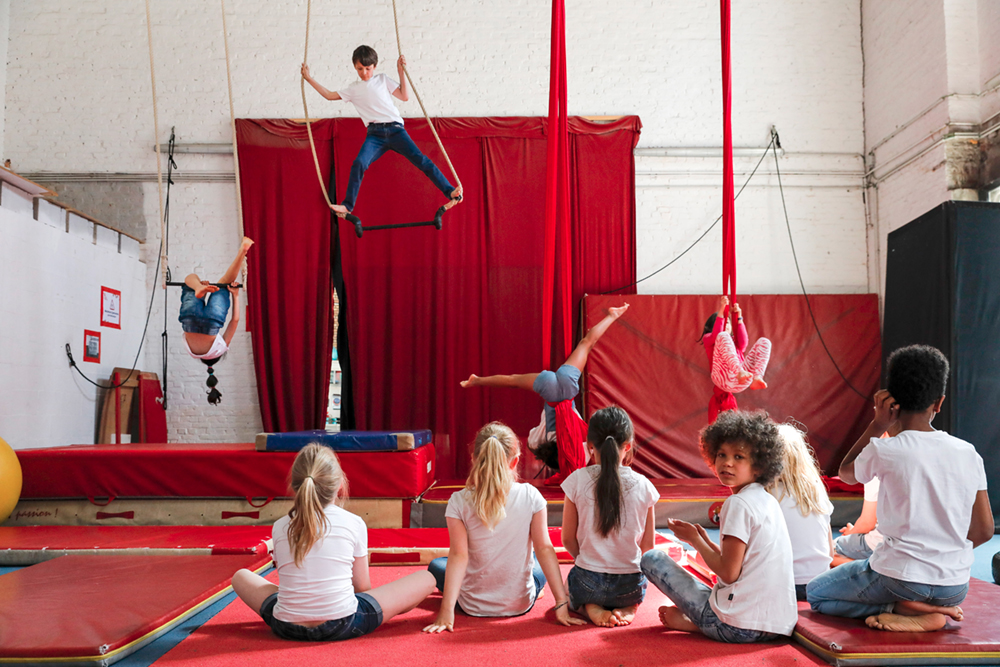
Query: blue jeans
point(611, 591)
point(854, 590)
point(692, 598)
point(853, 546)
point(197, 316)
point(384, 137)
point(438, 566)
point(364, 620)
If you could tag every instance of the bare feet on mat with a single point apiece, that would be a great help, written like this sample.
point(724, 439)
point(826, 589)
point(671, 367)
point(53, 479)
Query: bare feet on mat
point(340, 210)
point(674, 618)
point(626, 614)
point(598, 615)
point(758, 383)
point(205, 289)
point(907, 608)
point(615, 313)
point(899, 623)
point(473, 381)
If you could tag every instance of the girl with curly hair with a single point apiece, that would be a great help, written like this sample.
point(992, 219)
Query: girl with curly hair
point(754, 597)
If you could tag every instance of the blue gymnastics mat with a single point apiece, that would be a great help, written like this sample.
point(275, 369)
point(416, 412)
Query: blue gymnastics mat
point(344, 441)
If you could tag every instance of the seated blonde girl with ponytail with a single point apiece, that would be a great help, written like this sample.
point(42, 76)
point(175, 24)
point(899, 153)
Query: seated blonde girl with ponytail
point(492, 525)
point(321, 553)
point(608, 524)
point(806, 506)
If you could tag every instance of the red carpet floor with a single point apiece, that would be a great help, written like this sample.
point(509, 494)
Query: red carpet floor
point(237, 636)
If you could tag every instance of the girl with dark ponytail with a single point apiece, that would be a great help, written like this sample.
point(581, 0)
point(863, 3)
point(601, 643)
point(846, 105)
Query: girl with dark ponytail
point(204, 309)
point(608, 524)
point(321, 553)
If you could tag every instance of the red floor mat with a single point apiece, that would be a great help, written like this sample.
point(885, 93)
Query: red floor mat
point(98, 609)
point(237, 636)
point(27, 545)
point(846, 641)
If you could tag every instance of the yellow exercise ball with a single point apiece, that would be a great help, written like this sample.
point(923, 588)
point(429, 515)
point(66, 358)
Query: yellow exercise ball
point(10, 480)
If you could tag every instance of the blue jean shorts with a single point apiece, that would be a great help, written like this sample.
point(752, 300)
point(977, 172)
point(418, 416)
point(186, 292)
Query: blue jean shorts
point(197, 316)
point(563, 385)
point(362, 622)
point(611, 591)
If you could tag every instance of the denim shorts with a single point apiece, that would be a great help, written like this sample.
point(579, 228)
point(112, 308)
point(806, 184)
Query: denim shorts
point(439, 566)
point(853, 546)
point(362, 622)
point(563, 385)
point(611, 591)
point(197, 316)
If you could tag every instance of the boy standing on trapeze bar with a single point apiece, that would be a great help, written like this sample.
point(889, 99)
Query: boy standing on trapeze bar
point(372, 97)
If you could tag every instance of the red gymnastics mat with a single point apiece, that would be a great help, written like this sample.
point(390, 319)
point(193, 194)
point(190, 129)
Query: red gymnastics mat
point(222, 470)
point(95, 610)
point(650, 363)
point(846, 641)
point(237, 636)
point(27, 545)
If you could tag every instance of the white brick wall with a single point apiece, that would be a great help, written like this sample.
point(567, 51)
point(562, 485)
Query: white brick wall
point(79, 99)
point(50, 283)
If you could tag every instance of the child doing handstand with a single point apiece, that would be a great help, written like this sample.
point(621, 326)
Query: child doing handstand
point(321, 552)
point(372, 97)
point(492, 525)
point(933, 508)
point(754, 597)
point(202, 319)
point(806, 506)
point(561, 423)
point(608, 524)
point(732, 371)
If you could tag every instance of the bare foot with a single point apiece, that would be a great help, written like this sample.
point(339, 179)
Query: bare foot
point(454, 198)
point(473, 381)
point(617, 312)
point(247, 242)
point(626, 614)
point(605, 618)
point(340, 210)
point(674, 618)
point(908, 608)
point(758, 383)
point(205, 289)
point(899, 623)
point(743, 376)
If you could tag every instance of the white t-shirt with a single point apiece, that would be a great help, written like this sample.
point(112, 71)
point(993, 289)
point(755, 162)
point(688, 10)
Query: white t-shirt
point(218, 348)
point(498, 579)
point(322, 588)
point(873, 538)
point(763, 597)
point(929, 484)
point(810, 537)
point(618, 552)
point(373, 99)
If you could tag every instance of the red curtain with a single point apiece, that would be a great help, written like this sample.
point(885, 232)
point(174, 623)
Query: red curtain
point(289, 291)
point(427, 308)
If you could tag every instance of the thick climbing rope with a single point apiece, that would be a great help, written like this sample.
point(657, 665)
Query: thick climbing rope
point(399, 49)
point(236, 152)
point(156, 143)
point(305, 110)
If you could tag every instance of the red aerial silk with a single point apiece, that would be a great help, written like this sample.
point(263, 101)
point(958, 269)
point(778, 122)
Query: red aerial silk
point(557, 317)
point(728, 207)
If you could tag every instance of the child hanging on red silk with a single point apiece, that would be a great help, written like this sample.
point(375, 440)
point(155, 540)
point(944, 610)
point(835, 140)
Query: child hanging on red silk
point(733, 370)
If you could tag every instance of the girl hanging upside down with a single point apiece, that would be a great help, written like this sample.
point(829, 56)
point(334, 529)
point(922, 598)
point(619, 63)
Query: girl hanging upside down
point(732, 370)
point(562, 428)
point(202, 319)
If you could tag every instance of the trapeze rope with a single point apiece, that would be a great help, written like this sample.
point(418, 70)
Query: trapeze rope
point(236, 151)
